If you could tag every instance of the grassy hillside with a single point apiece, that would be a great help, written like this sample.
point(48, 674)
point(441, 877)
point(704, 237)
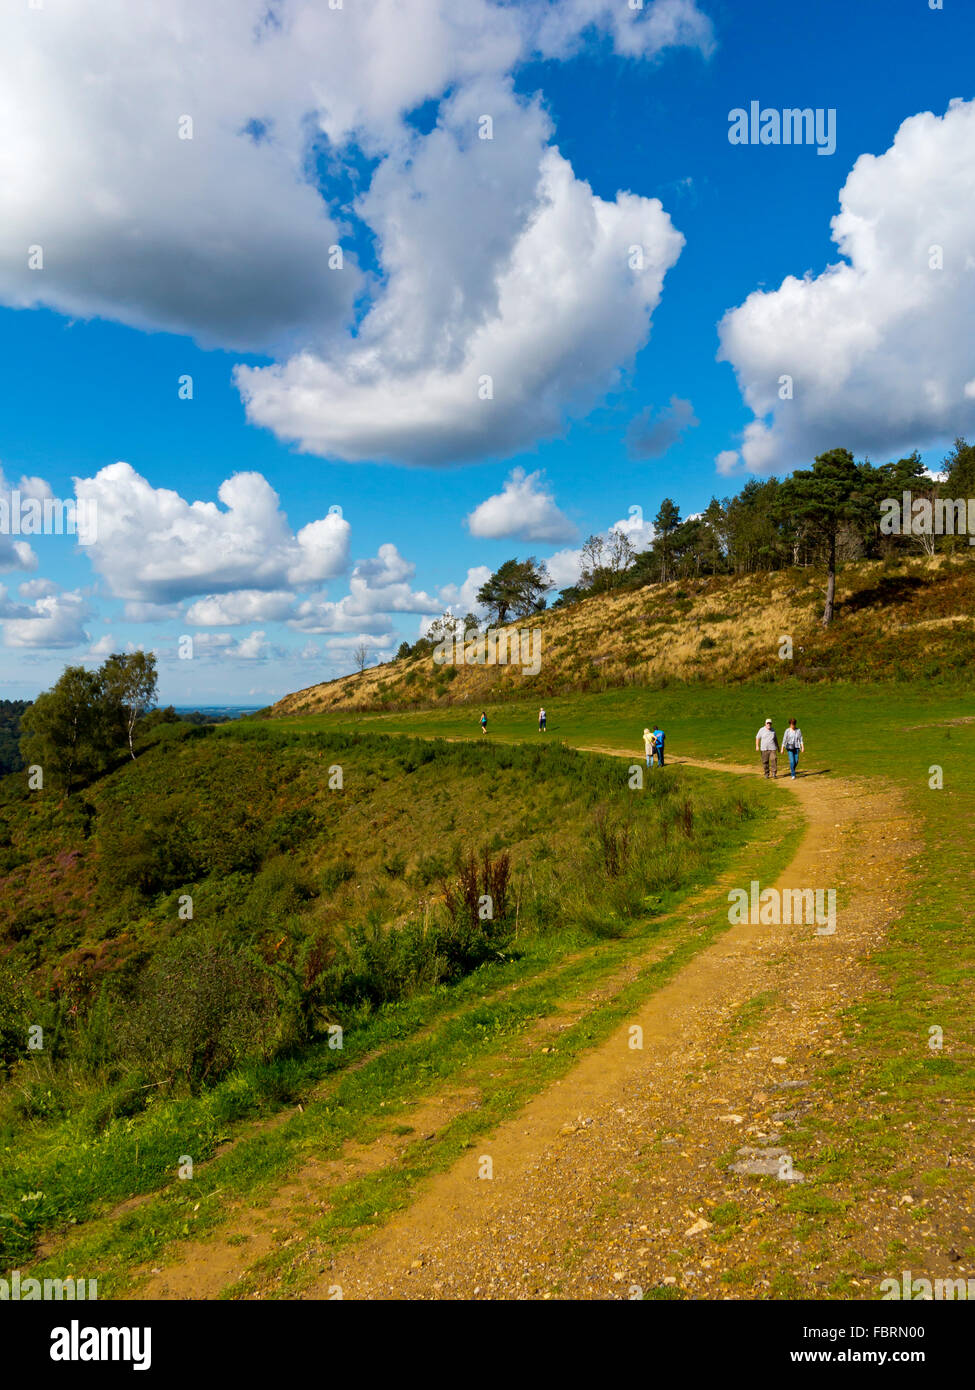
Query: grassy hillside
point(188, 931)
point(900, 620)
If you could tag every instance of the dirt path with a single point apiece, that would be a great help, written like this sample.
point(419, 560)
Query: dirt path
point(205, 1268)
point(607, 1183)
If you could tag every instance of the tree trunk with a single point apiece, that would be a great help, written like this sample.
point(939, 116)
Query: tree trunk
point(830, 582)
point(131, 727)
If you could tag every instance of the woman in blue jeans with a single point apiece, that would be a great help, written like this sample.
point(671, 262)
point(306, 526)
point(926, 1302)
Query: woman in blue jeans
point(793, 745)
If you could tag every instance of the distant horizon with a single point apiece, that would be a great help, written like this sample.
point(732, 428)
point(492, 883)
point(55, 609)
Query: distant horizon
point(202, 709)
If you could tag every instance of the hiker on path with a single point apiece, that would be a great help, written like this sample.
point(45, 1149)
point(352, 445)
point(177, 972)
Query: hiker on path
point(793, 745)
point(541, 721)
point(648, 744)
point(767, 743)
point(658, 744)
point(483, 722)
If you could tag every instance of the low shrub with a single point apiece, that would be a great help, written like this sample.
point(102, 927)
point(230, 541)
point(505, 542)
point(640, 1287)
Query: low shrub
point(201, 1009)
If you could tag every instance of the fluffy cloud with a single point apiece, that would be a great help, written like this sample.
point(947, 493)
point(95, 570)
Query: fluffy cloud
point(377, 587)
point(227, 235)
point(462, 598)
point(14, 554)
point(103, 646)
point(240, 606)
point(728, 462)
point(564, 568)
point(219, 235)
point(642, 32)
point(879, 347)
point(524, 508)
point(37, 588)
point(52, 621)
point(638, 531)
point(153, 546)
point(533, 332)
point(346, 646)
point(141, 225)
point(107, 644)
point(253, 647)
point(651, 436)
point(9, 609)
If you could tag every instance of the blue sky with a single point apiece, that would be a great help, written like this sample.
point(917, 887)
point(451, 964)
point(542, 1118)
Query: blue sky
point(165, 258)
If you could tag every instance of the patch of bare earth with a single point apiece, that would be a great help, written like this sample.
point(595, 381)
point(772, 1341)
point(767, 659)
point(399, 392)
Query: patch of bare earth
point(204, 1268)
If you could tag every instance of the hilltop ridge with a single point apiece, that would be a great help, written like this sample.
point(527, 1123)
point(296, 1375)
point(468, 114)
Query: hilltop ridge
point(715, 628)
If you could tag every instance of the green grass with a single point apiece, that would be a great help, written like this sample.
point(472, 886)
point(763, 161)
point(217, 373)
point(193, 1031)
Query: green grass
point(862, 725)
point(481, 1044)
point(888, 1079)
point(97, 1118)
point(896, 1104)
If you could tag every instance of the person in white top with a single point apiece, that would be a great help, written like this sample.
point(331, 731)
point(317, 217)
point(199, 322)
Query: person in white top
point(767, 743)
point(793, 745)
point(649, 743)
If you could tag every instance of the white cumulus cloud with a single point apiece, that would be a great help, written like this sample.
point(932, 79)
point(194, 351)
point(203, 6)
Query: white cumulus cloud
point(103, 646)
point(639, 31)
point(187, 167)
point(17, 554)
point(728, 462)
point(461, 599)
point(52, 621)
point(240, 606)
point(252, 647)
point(508, 359)
point(377, 587)
point(37, 588)
point(524, 508)
point(879, 347)
point(155, 547)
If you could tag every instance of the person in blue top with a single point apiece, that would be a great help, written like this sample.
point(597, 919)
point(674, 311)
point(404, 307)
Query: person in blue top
point(658, 746)
point(483, 722)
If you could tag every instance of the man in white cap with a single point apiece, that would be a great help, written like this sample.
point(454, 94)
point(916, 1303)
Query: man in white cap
point(767, 743)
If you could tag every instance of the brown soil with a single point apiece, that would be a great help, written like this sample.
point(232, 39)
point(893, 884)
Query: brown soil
point(206, 1267)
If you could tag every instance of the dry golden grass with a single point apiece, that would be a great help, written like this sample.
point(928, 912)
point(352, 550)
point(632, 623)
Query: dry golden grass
point(716, 629)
